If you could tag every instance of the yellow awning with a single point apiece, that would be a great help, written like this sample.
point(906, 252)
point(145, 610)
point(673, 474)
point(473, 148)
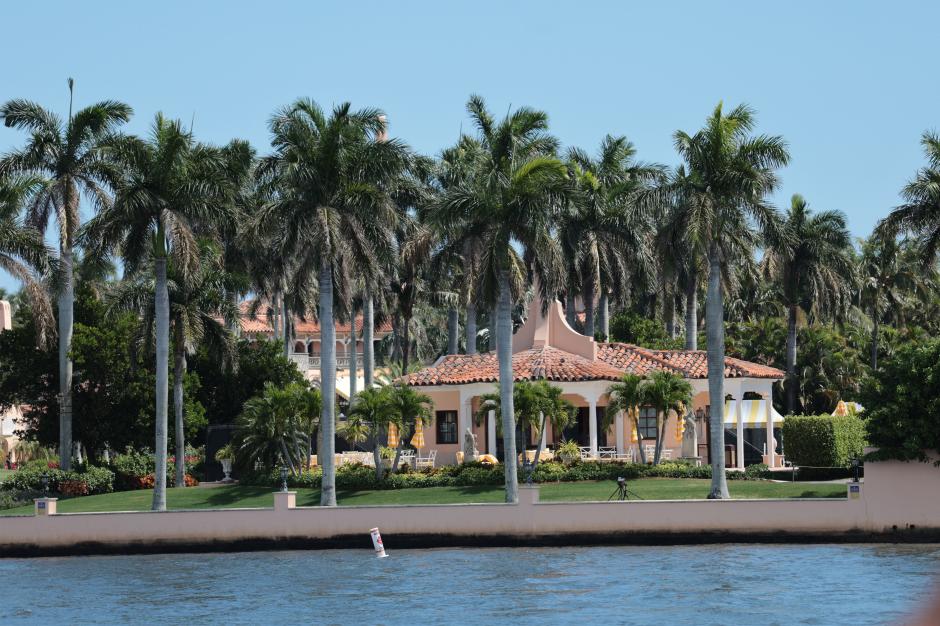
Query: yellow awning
point(753, 411)
point(392, 436)
point(418, 440)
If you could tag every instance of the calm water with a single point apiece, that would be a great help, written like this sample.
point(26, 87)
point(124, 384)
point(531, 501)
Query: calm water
point(856, 584)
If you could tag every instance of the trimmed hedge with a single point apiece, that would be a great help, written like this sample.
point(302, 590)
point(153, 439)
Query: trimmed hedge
point(356, 477)
point(88, 481)
point(823, 440)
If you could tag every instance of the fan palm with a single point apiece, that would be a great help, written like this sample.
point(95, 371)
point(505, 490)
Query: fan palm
point(627, 397)
point(509, 204)
point(410, 406)
point(812, 265)
point(24, 255)
point(375, 407)
point(666, 392)
point(330, 210)
point(920, 213)
point(731, 174)
point(172, 189)
point(276, 427)
point(69, 160)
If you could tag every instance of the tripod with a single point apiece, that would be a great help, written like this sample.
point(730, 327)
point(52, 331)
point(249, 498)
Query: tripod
point(621, 492)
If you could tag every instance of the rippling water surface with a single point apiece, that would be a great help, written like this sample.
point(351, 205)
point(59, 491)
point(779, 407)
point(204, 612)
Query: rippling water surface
point(700, 585)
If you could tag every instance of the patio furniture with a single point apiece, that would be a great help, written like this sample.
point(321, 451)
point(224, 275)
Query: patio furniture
point(667, 453)
point(407, 457)
point(426, 461)
point(607, 453)
point(585, 453)
point(650, 452)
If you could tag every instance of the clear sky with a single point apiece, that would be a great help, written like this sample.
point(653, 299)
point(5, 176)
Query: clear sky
point(850, 85)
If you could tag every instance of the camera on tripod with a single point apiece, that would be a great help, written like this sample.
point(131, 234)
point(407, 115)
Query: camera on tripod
point(621, 492)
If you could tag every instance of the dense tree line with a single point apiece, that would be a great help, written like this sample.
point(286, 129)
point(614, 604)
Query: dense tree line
point(338, 219)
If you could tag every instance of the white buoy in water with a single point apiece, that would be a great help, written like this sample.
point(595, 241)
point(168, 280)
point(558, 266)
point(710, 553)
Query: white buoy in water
point(377, 543)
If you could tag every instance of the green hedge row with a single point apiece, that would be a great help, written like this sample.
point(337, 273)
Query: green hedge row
point(823, 440)
point(356, 477)
point(96, 479)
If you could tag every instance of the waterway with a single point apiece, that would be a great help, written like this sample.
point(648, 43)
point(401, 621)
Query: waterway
point(700, 585)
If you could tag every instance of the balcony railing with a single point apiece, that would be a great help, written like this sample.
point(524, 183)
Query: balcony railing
point(312, 362)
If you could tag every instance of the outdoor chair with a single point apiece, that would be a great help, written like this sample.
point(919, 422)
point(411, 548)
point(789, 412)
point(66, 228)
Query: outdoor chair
point(426, 461)
point(607, 453)
point(585, 453)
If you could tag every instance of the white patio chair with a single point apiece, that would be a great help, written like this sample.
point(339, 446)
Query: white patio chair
point(607, 452)
point(650, 451)
point(585, 453)
point(426, 461)
point(667, 453)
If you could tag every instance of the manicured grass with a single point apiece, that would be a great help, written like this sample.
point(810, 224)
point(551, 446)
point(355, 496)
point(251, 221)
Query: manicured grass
point(249, 497)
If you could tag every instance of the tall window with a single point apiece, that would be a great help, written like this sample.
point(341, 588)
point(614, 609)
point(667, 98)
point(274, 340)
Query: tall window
point(446, 426)
point(647, 422)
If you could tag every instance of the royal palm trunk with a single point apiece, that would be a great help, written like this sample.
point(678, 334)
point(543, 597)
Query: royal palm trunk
point(589, 308)
point(471, 329)
point(327, 387)
point(286, 328)
point(504, 354)
point(368, 348)
point(715, 339)
point(691, 318)
point(874, 342)
point(603, 315)
point(791, 360)
point(179, 369)
point(453, 330)
point(353, 359)
point(162, 327)
point(66, 303)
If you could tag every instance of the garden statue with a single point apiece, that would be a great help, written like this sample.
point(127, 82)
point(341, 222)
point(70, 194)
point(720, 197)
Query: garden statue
point(470, 451)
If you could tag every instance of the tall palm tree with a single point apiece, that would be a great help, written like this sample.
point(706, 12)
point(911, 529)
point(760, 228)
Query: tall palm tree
point(604, 236)
point(330, 210)
point(69, 158)
point(197, 304)
point(920, 213)
point(666, 392)
point(509, 204)
point(732, 172)
point(812, 264)
point(24, 255)
point(172, 190)
point(891, 282)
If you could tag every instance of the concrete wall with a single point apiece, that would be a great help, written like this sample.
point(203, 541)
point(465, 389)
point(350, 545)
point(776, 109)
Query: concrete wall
point(896, 498)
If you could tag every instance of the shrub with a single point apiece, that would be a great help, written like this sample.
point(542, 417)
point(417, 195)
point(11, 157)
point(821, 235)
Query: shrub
point(902, 401)
point(823, 440)
point(90, 480)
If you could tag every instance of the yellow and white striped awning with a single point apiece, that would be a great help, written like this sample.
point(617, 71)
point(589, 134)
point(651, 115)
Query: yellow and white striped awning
point(753, 411)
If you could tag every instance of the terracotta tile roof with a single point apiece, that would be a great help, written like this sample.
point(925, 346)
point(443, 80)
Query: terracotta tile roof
point(259, 324)
point(534, 364)
point(691, 363)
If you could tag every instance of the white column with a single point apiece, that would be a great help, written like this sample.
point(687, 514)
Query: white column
point(770, 434)
point(618, 432)
point(592, 426)
point(491, 433)
point(544, 438)
point(463, 420)
point(740, 443)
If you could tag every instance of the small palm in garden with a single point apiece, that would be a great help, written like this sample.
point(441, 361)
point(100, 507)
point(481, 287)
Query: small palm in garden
point(375, 407)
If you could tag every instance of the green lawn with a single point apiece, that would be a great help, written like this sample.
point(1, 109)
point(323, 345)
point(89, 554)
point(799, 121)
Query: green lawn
point(236, 496)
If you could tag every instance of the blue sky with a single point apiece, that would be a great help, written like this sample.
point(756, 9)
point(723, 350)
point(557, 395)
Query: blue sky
point(850, 85)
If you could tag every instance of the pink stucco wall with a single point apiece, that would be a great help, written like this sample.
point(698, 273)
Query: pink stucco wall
point(894, 496)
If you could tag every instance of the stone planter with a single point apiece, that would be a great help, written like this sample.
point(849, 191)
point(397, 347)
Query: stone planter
point(227, 470)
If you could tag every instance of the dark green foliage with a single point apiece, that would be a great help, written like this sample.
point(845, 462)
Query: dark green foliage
point(113, 395)
point(902, 403)
point(223, 392)
point(630, 327)
point(823, 440)
point(97, 479)
point(355, 477)
point(831, 364)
